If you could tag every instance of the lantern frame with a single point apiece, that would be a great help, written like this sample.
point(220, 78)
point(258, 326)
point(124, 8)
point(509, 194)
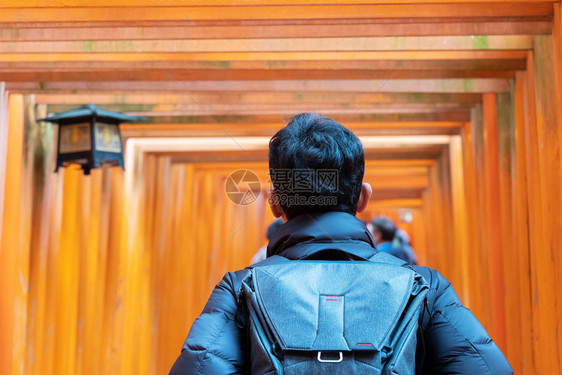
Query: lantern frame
point(92, 157)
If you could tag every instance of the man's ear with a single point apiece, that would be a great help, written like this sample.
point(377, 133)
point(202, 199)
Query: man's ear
point(276, 208)
point(364, 197)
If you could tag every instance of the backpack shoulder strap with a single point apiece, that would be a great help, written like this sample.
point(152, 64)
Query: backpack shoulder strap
point(241, 315)
point(275, 259)
point(382, 257)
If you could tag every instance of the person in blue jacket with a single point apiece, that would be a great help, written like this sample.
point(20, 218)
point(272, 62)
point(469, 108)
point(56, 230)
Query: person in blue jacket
point(384, 233)
point(452, 341)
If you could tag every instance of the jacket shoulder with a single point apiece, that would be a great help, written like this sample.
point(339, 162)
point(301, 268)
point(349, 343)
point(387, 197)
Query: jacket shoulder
point(215, 341)
point(455, 341)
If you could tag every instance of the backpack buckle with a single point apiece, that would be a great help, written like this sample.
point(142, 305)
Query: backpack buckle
point(330, 360)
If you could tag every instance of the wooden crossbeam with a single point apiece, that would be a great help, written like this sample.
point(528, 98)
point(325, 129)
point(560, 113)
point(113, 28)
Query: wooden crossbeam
point(358, 118)
point(280, 66)
point(266, 56)
point(412, 43)
point(374, 169)
point(261, 167)
point(396, 203)
point(393, 194)
point(175, 3)
point(262, 156)
point(372, 86)
point(398, 163)
point(127, 14)
point(241, 144)
point(358, 115)
point(212, 75)
point(255, 148)
point(224, 110)
point(118, 102)
point(186, 32)
point(429, 152)
point(274, 108)
point(432, 23)
point(411, 182)
point(269, 129)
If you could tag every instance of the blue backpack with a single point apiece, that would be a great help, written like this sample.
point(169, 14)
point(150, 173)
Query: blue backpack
point(332, 316)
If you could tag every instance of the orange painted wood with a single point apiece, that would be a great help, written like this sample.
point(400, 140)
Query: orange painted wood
point(557, 67)
point(510, 264)
point(215, 75)
point(479, 265)
point(66, 282)
point(10, 319)
point(397, 203)
point(493, 211)
point(188, 110)
point(418, 236)
point(472, 292)
point(481, 63)
point(445, 181)
point(413, 43)
point(521, 230)
point(117, 102)
point(124, 14)
point(557, 61)
point(399, 153)
point(3, 146)
point(548, 125)
point(334, 29)
point(431, 22)
point(261, 56)
point(543, 349)
point(433, 210)
point(164, 3)
point(462, 238)
point(450, 86)
point(147, 246)
point(37, 200)
point(194, 108)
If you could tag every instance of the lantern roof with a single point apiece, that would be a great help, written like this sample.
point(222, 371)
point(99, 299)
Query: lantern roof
point(90, 110)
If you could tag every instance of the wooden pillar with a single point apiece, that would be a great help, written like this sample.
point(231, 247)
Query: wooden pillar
point(3, 145)
point(16, 233)
point(557, 61)
point(6, 313)
point(548, 257)
point(493, 219)
point(510, 260)
point(557, 67)
point(476, 183)
point(521, 244)
point(431, 210)
point(448, 256)
point(474, 302)
point(462, 240)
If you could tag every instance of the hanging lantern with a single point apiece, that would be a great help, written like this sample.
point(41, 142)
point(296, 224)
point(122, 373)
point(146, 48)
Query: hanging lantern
point(89, 136)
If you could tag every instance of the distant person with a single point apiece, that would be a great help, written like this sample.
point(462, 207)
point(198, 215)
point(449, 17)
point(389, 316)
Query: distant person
point(402, 240)
point(384, 232)
point(262, 252)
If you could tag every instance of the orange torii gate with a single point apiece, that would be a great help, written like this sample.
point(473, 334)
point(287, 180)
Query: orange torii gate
point(458, 104)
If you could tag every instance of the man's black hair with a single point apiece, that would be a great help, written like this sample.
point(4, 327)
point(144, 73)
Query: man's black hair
point(385, 227)
point(306, 153)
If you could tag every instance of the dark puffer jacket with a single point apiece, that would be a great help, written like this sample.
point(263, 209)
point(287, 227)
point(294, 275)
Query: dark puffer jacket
point(454, 341)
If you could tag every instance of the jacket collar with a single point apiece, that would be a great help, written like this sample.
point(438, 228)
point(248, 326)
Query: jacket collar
point(307, 234)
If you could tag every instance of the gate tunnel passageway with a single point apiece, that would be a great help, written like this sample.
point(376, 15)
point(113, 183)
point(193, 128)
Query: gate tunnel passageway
point(458, 105)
